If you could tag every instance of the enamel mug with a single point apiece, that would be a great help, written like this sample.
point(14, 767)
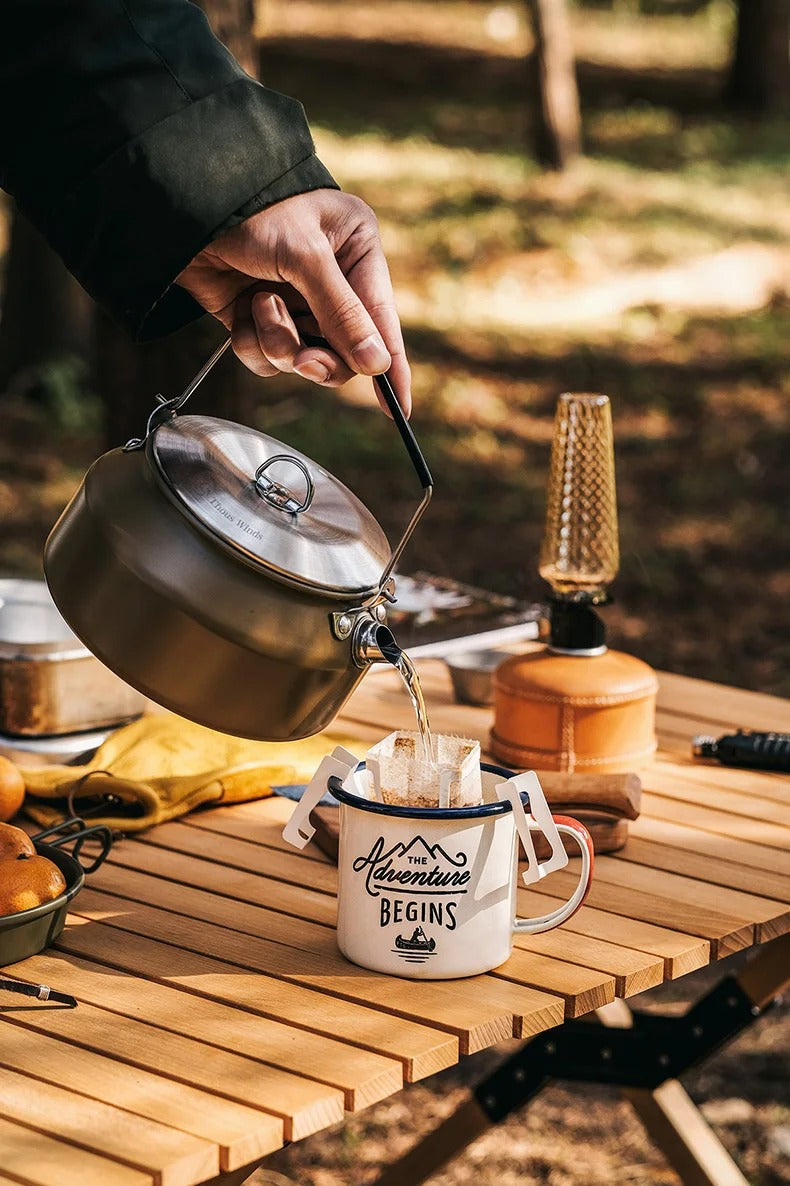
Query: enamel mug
point(430, 893)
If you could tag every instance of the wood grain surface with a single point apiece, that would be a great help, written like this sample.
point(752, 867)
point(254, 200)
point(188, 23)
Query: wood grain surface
point(216, 1018)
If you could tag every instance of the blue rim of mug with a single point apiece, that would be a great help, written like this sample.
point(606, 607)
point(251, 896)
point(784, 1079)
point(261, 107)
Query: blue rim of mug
point(337, 789)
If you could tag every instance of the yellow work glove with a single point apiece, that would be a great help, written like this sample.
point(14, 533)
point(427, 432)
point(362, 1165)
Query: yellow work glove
point(162, 766)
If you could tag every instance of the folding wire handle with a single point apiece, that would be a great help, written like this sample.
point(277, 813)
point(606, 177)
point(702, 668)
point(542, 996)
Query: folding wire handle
point(74, 830)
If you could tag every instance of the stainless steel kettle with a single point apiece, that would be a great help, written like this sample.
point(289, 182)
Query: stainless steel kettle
point(226, 576)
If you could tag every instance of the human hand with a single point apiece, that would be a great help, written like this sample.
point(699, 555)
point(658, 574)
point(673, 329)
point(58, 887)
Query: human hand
point(309, 264)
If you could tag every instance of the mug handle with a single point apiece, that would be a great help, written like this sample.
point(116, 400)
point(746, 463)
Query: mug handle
point(545, 922)
point(299, 831)
point(552, 826)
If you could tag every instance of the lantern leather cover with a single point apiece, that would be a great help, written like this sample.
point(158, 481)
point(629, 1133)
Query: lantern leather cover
point(574, 712)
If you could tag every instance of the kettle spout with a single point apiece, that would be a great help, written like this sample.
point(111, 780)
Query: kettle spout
point(374, 643)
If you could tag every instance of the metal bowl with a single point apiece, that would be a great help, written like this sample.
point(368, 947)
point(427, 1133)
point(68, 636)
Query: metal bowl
point(471, 673)
point(50, 684)
point(29, 931)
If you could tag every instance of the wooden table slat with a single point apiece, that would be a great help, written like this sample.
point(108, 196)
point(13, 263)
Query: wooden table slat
point(725, 933)
point(760, 783)
point(216, 1017)
point(259, 822)
point(721, 823)
point(37, 1159)
point(673, 784)
point(241, 1134)
point(700, 866)
point(730, 708)
point(583, 988)
point(421, 1050)
point(172, 1158)
point(239, 884)
point(661, 831)
point(732, 903)
point(242, 854)
point(633, 971)
point(682, 953)
point(474, 1010)
point(108, 1021)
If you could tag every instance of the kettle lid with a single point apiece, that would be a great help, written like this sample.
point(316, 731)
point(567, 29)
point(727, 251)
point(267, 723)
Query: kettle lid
point(269, 502)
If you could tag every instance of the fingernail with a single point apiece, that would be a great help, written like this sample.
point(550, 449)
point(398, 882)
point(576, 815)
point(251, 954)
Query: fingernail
point(371, 355)
point(262, 299)
point(313, 370)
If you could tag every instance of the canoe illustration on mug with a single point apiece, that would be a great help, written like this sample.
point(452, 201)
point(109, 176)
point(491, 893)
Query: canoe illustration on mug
point(418, 942)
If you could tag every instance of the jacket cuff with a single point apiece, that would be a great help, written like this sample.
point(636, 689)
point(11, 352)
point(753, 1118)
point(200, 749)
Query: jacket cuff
point(130, 227)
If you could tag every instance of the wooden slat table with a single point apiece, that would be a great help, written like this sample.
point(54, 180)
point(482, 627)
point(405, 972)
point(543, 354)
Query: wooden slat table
point(216, 1019)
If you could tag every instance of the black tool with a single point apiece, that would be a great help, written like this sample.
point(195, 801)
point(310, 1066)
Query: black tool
point(759, 751)
point(41, 992)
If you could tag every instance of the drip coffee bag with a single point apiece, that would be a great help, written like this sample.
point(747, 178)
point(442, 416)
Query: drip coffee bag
point(400, 771)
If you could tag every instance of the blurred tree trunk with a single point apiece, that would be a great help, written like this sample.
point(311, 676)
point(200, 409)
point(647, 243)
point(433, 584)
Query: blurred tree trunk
point(559, 122)
point(127, 375)
point(233, 21)
point(759, 79)
point(45, 312)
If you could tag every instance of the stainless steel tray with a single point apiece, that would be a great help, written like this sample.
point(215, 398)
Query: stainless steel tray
point(50, 683)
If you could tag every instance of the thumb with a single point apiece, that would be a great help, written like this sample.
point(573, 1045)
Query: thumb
point(342, 317)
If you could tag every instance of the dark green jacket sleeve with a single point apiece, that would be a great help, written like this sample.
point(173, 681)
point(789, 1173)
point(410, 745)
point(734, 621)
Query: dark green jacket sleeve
point(130, 136)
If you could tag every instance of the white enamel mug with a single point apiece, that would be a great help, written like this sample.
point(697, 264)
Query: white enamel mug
point(430, 893)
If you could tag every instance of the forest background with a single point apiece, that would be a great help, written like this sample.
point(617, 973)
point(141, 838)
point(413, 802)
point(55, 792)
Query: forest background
point(654, 268)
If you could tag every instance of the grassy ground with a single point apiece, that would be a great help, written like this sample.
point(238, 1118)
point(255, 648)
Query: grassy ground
point(656, 271)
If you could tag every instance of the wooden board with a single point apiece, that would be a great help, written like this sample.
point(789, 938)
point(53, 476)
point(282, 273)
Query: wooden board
point(172, 1158)
point(111, 1018)
point(37, 1159)
point(240, 1133)
point(217, 1019)
point(481, 1010)
point(421, 1050)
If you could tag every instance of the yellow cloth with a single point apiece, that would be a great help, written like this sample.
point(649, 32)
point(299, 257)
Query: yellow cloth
point(162, 766)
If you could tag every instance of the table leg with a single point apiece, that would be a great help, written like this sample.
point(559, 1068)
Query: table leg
point(641, 1054)
point(677, 1127)
point(671, 1117)
point(674, 1122)
point(466, 1124)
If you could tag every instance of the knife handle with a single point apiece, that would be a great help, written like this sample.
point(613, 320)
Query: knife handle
point(756, 751)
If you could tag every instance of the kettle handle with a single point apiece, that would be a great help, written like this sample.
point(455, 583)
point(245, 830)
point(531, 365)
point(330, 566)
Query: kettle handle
point(412, 448)
point(167, 408)
point(417, 460)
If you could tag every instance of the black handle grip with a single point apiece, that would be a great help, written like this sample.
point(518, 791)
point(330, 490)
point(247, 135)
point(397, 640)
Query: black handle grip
point(761, 751)
point(396, 411)
point(405, 430)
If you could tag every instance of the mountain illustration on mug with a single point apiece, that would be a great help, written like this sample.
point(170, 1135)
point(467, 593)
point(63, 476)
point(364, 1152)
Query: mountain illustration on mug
point(416, 867)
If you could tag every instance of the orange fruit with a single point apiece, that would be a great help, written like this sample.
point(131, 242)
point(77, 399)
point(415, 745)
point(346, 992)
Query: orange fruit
point(12, 789)
point(15, 843)
point(27, 882)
